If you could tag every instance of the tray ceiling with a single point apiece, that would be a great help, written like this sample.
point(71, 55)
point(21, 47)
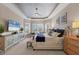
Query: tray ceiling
point(37, 10)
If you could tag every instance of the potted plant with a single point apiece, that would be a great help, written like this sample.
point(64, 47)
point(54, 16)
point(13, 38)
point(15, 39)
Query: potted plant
point(1, 28)
point(21, 29)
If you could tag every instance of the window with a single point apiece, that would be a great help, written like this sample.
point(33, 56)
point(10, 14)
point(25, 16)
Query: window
point(34, 28)
point(37, 28)
point(40, 27)
point(27, 28)
point(46, 27)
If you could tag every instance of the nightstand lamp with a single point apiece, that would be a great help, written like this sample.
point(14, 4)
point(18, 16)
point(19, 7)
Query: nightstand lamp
point(75, 25)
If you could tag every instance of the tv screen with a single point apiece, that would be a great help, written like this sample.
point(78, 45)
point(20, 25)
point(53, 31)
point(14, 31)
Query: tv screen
point(13, 25)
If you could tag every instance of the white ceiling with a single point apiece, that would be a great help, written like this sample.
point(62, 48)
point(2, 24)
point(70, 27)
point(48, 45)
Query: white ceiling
point(44, 9)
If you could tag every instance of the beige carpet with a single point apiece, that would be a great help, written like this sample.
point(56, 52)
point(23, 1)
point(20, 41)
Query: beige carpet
point(21, 49)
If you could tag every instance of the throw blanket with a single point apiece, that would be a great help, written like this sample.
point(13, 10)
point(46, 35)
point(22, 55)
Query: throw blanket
point(40, 37)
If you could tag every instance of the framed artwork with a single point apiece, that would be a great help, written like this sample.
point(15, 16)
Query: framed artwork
point(63, 18)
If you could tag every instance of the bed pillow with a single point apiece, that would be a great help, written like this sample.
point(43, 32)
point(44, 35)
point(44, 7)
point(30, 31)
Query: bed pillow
point(55, 34)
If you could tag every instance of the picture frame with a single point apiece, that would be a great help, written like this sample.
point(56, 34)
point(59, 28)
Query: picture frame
point(63, 18)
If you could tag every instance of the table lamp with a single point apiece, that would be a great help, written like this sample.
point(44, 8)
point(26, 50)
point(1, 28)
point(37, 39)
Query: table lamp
point(75, 25)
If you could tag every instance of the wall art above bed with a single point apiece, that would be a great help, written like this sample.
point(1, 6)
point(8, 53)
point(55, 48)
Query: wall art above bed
point(62, 19)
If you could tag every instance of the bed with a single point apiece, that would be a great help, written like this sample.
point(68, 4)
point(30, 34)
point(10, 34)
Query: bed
point(51, 42)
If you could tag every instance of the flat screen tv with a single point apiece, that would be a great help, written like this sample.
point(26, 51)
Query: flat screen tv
point(13, 25)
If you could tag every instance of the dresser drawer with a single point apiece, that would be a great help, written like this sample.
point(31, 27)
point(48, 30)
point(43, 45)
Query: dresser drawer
point(73, 48)
point(70, 52)
point(73, 42)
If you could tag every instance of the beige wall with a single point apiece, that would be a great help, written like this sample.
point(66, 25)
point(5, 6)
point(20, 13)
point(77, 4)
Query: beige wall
point(6, 13)
point(72, 14)
point(53, 20)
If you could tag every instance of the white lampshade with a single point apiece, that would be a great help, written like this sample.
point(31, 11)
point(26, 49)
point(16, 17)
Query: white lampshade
point(75, 24)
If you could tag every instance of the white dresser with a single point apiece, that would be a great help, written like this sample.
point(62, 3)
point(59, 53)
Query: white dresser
point(10, 40)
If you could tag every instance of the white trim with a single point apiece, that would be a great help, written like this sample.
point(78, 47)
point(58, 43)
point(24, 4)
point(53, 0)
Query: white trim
point(58, 9)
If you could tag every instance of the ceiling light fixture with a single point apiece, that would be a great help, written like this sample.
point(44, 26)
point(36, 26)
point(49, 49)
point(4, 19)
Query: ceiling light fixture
point(36, 12)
